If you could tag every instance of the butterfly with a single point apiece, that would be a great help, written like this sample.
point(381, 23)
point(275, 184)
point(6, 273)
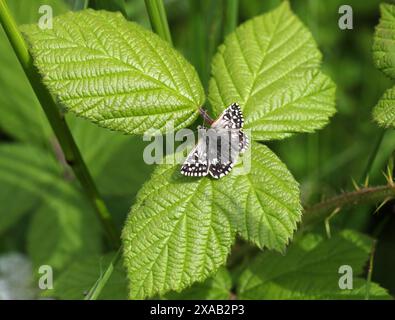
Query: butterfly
point(218, 147)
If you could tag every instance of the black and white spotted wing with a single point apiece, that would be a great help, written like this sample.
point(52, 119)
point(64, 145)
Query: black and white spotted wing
point(243, 141)
point(218, 149)
point(196, 164)
point(232, 118)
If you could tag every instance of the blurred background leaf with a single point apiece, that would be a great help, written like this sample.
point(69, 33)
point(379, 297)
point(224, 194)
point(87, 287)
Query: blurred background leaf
point(25, 174)
point(310, 270)
point(82, 274)
point(217, 287)
point(63, 228)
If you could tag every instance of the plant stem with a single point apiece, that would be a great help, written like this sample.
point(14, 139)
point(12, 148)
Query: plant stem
point(368, 195)
point(199, 32)
point(231, 16)
point(157, 15)
point(205, 116)
point(97, 288)
point(58, 124)
point(370, 270)
point(372, 156)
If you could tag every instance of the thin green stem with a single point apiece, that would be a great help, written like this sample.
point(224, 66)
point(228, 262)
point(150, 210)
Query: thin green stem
point(368, 195)
point(372, 156)
point(58, 123)
point(370, 270)
point(97, 288)
point(312, 162)
point(157, 15)
point(231, 16)
point(199, 32)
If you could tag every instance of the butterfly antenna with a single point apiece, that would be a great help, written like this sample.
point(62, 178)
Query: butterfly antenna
point(205, 116)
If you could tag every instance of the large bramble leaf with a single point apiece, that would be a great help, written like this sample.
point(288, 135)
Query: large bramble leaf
point(270, 66)
point(384, 41)
point(384, 57)
point(180, 230)
point(115, 73)
point(266, 204)
point(177, 233)
point(310, 270)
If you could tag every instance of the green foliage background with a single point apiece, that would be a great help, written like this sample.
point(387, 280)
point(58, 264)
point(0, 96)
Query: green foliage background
point(45, 216)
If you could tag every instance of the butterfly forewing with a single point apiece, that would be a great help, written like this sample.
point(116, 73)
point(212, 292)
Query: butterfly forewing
point(230, 118)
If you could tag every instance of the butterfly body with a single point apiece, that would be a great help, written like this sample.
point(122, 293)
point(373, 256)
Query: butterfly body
point(219, 146)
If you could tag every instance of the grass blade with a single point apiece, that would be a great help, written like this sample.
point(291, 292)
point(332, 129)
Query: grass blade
point(157, 14)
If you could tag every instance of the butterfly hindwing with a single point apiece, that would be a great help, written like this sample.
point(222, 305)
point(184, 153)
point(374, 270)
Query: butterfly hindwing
point(243, 141)
point(222, 152)
point(196, 164)
point(219, 169)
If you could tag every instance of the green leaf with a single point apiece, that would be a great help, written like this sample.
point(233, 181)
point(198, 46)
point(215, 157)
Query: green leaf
point(81, 275)
point(310, 270)
point(177, 233)
point(180, 230)
point(30, 178)
point(215, 288)
point(384, 57)
point(384, 111)
point(15, 202)
point(384, 41)
point(25, 173)
point(266, 200)
point(270, 66)
point(123, 78)
point(63, 228)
